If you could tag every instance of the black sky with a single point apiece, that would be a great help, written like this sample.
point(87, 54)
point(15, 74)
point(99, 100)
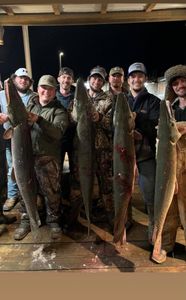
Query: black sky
point(157, 45)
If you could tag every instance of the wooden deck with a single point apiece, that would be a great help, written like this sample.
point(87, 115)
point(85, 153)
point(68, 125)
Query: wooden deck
point(76, 251)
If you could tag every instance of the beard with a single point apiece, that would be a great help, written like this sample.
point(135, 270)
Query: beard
point(22, 90)
point(182, 93)
point(94, 90)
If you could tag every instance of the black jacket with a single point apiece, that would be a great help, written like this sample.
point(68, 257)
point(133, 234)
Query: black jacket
point(147, 107)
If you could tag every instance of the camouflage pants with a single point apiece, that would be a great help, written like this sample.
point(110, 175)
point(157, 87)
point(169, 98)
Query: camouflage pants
point(48, 177)
point(177, 210)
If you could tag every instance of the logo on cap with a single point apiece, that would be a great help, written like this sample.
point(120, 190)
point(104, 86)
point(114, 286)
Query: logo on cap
point(137, 67)
point(22, 72)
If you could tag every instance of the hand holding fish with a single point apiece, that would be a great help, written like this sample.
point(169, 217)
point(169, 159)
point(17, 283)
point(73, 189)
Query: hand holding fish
point(3, 118)
point(95, 116)
point(181, 127)
point(137, 135)
point(32, 118)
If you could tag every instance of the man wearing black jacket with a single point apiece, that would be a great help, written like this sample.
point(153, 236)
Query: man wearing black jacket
point(147, 107)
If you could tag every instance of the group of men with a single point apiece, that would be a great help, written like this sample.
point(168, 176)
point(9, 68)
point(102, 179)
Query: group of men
point(53, 131)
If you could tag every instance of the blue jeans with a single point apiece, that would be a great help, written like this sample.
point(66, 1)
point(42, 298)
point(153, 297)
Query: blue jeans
point(147, 172)
point(12, 188)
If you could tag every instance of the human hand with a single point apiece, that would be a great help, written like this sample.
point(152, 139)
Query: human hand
point(3, 118)
point(95, 116)
point(32, 118)
point(181, 126)
point(137, 135)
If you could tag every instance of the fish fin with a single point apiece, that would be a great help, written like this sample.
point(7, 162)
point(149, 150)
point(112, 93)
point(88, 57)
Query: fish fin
point(8, 134)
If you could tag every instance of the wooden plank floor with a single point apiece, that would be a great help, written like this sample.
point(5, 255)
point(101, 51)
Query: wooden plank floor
point(96, 253)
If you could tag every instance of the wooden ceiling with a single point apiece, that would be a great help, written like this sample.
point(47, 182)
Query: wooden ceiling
point(84, 12)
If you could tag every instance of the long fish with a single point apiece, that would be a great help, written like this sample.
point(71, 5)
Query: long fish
point(22, 155)
point(2, 165)
point(84, 146)
point(123, 164)
point(168, 136)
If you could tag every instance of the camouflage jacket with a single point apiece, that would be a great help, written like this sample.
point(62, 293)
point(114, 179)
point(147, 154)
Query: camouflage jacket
point(102, 103)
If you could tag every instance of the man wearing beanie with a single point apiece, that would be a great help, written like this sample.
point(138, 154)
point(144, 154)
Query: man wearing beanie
point(175, 92)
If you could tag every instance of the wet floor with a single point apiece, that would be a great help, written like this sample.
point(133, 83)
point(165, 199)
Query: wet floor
point(95, 253)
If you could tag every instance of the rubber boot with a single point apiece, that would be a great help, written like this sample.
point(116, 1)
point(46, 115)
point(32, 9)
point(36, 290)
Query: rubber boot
point(172, 222)
point(23, 229)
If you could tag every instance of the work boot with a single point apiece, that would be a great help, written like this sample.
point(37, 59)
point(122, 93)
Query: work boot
point(7, 219)
point(22, 231)
point(10, 203)
point(55, 231)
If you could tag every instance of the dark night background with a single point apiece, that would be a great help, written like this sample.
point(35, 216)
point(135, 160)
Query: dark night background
point(158, 45)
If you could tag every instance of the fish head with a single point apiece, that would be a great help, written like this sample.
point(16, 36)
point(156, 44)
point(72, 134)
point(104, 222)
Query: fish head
point(16, 110)
point(123, 113)
point(167, 122)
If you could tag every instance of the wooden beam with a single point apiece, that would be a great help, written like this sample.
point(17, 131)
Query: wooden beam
point(94, 18)
point(8, 10)
point(104, 8)
point(56, 9)
point(40, 2)
point(150, 7)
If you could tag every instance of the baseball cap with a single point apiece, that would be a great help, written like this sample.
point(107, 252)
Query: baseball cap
point(137, 67)
point(116, 70)
point(98, 70)
point(66, 70)
point(22, 72)
point(47, 80)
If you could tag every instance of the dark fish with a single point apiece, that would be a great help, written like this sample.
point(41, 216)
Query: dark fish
point(124, 164)
point(22, 155)
point(85, 146)
point(168, 136)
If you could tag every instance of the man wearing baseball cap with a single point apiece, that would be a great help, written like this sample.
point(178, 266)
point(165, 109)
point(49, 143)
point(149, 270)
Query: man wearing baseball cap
point(23, 82)
point(116, 80)
point(101, 106)
point(116, 86)
point(146, 106)
point(48, 121)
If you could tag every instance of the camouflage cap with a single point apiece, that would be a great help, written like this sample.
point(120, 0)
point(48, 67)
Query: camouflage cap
point(116, 70)
point(174, 72)
point(48, 80)
point(98, 70)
